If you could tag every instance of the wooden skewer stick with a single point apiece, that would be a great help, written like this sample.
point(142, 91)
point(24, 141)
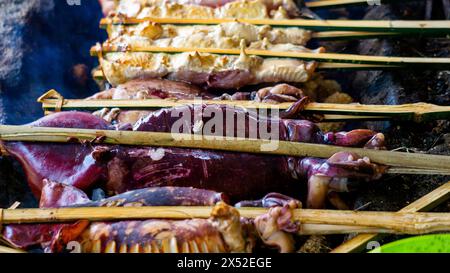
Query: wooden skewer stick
point(333, 3)
point(338, 35)
point(427, 202)
point(345, 35)
point(53, 101)
point(402, 222)
point(349, 35)
point(98, 73)
point(410, 26)
point(321, 229)
point(8, 250)
point(425, 162)
point(348, 66)
point(340, 3)
point(320, 57)
point(326, 118)
point(416, 171)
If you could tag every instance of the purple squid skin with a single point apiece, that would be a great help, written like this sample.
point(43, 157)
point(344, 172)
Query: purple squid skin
point(71, 163)
point(250, 124)
point(241, 176)
point(133, 168)
point(231, 79)
point(58, 195)
point(25, 236)
point(161, 196)
point(54, 237)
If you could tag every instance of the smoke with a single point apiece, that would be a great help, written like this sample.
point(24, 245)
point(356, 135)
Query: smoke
point(47, 47)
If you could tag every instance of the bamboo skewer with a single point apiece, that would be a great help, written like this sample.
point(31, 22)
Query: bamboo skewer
point(406, 161)
point(437, 196)
point(320, 229)
point(320, 57)
point(98, 73)
point(338, 35)
point(427, 202)
point(346, 35)
point(430, 200)
point(333, 3)
point(53, 101)
point(8, 250)
point(340, 3)
point(416, 171)
point(401, 222)
point(352, 66)
point(324, 118)
point(409, 26)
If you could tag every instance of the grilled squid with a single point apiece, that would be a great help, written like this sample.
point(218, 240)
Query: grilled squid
point(57, 195)
point(241, 176)
point(165, 89)
point(204, 69)
point(224, 231)
point(221, 233)
point(253, 9)
point(226, 35)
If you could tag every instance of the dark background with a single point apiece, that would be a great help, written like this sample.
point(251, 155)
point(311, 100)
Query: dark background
point(41, 42)
point(44, 44)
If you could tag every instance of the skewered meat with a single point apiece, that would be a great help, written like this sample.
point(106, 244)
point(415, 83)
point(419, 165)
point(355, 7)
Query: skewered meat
point(125, 168)
point(225, 231)
point(204, 69)
point(152, 89)
point(253, 9)
point(225, 35)
point(165, 89)
point(220, 171)
point(158, 88)
point(222, 233)
point(54, 193)
point(271, 4)
point(71, 163)
point(144, 89)
point(279, 93)
point(149, 236)
point(318, 89)
point(57, 195)
point(220, 120)
point(233, 31)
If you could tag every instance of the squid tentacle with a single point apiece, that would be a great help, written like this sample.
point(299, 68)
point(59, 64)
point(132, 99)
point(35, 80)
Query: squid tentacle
point(337, 173)
point(276, 228)
point(269, 201)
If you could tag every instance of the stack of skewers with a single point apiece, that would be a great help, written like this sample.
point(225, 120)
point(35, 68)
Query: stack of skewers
point(167, 174)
